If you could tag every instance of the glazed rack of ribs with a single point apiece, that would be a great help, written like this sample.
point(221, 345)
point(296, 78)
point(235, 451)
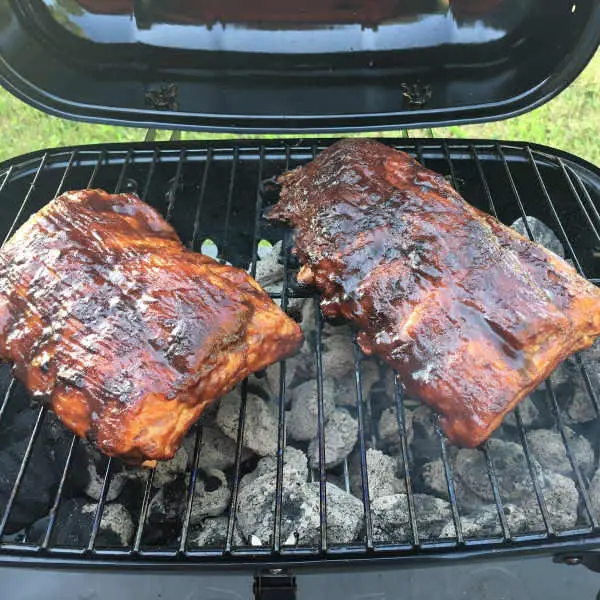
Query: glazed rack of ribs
point(128, 333)
point(327, 454)
point(472, 314)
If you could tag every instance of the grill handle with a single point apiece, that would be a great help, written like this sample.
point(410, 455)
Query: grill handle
point(274, 584)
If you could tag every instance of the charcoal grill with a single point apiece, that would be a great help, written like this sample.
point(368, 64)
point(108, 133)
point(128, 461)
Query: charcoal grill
point(215, 194)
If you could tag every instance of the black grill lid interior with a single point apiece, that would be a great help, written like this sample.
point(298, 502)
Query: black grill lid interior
point(292, 66)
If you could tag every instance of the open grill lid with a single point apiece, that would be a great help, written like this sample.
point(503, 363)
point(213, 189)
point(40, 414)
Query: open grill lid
point(293, 66)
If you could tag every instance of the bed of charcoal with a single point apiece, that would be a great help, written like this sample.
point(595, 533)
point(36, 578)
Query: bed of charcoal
point(386, 466)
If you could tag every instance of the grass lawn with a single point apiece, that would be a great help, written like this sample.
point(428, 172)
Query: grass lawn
point(570, 122)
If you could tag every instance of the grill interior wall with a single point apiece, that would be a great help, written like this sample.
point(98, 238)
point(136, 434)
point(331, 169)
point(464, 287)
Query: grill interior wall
point(219, 192)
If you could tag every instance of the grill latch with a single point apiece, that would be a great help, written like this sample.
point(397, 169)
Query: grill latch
point(589, 559)
point(274, 584)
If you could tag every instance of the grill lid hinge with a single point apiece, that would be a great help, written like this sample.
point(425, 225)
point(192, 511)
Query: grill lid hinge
point(274, 584)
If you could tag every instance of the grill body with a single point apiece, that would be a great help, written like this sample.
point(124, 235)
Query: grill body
point(219, 191)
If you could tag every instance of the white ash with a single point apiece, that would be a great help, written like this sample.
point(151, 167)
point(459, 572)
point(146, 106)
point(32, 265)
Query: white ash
point(561, 499)
point(577, 406)
point(269, 270)
point(338, 354)
point(212, 496)
point(541, 233)
point(389, 432)
point(548, 448)
point(565, 374)
point(95, 479)
point(345, 514)
point(217, 451)
point(435, 482)
point(529, 412)
point(270, 275)
point(341, 434)
point(594, 493)
point(93, 489)
point(426, 443)
point(391, 517)
point(260, 433)
point(382, 474)
point(302, 419)
point(510, 466)
point(168, 470)
point(297, 369)
point(300, 518)
point(212, 532)
point(75, 520)
point(115, 520)
point(295, 467)
point(591, 361)
point(345, 388)
point(434, 478)
point(486, 522)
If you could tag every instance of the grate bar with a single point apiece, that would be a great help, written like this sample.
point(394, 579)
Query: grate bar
point(363, 451)
point(588, 384)
point(576, 470)
point(7, 396)
point(232, 178)
point(68, 168)
point(97, 167)
point(100, 507)
point(151, 169)
point(496, 492)
point(26, 457)
point(191, 493)
point(321, 429)
point(201, 196)
point(59, 493)
point(32, 187)
point(172, 192)
point(281, 437)
point(449, 481)
point(257, 214)
point(453, 179)
point(7, 177)
point(532, 473)
point(567, 175)
point(398, 395)
point(238, 461)
point(139, 532)
point(552, 208)
point(123, 173)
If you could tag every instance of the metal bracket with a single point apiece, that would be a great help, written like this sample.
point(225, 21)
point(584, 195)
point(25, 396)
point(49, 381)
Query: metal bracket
point(162, 97)
point(274, 584)
point(417, 95)
point(589, 559)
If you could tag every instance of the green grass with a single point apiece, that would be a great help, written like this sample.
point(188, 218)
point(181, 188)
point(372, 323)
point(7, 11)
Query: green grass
point(570, 122)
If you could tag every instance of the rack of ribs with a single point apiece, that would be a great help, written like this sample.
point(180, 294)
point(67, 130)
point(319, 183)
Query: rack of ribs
point(472, 315)
point(127, 334)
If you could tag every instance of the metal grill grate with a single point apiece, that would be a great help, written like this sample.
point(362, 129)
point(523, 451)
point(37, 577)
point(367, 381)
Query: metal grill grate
point(219, 191)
